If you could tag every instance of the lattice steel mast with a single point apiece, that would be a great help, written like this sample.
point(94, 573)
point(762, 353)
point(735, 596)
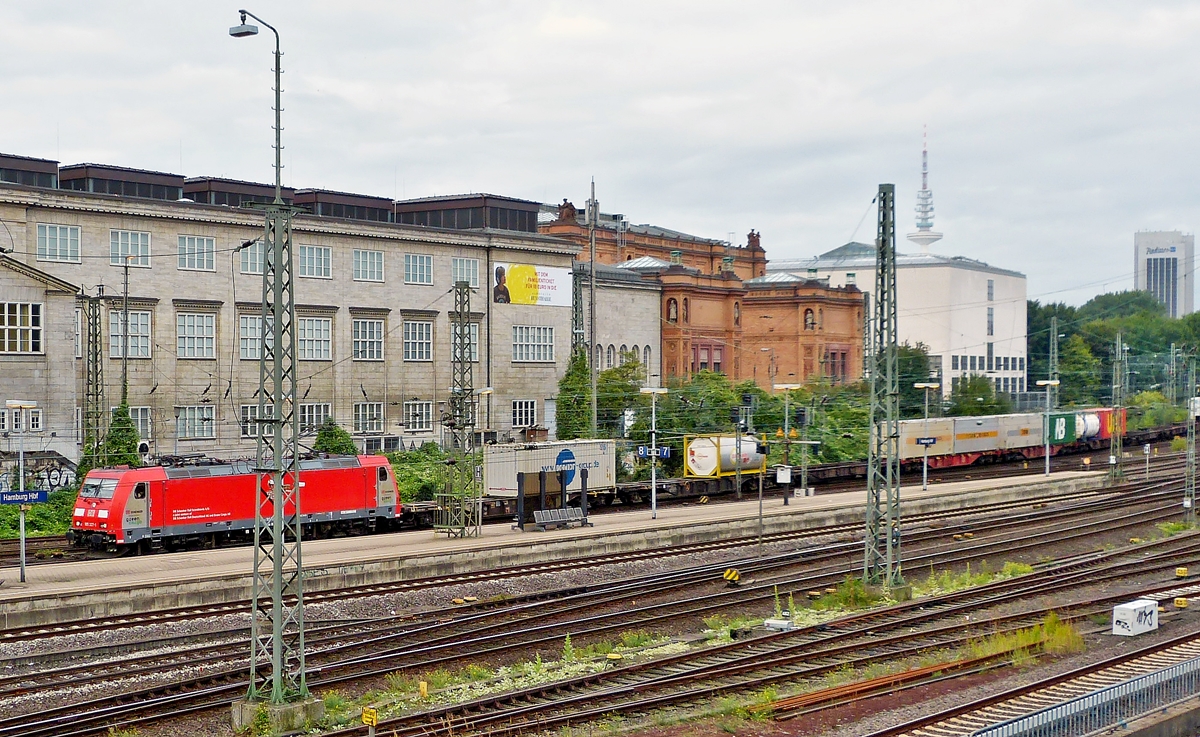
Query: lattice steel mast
point(1189, 490)
point(278, 592)
point(1117, 436)
point(93, 383)
point(1053, 385)
point(460, 506)
point(882, 559)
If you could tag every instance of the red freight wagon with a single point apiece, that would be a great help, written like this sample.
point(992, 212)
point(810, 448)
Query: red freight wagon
point(120, 508)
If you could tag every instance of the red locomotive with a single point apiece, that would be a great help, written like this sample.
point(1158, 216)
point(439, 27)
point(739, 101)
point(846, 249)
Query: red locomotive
point(121, 509)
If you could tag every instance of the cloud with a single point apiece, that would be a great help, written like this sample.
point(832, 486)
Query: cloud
point(1057, 127)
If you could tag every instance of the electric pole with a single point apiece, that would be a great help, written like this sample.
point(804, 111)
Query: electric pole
point(460, 507)
point(593, 214)
point(93, 382)
point(881, 564)
point(1053, 387)
point(1116, 441)
point(1189, 489)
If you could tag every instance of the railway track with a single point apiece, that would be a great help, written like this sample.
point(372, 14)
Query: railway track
point(1099, 497)
point(208, 691)
point(965, 719)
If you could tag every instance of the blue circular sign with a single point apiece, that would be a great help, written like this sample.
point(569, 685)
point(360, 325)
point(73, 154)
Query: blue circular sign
point(566, 461)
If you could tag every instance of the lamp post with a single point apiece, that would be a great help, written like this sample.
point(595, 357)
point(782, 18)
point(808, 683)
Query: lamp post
point(926, 385)
point(1049, 384)
point(653, 391)
point(22, 407)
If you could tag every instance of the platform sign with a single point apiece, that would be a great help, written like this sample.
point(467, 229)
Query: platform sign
point(926, 441)
point(664, 452)
point(643, 451)
point(29, 496)
point(1146, 449)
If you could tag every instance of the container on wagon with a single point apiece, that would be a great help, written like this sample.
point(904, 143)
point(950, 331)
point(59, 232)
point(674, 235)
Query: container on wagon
point(712, 456)
point(1135, 618)
point(502, 463)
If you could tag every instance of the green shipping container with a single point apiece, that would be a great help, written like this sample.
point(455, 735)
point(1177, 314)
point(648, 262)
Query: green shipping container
point(1062, 429)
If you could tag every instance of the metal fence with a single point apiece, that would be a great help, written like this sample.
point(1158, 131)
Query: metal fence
point(1106, 707)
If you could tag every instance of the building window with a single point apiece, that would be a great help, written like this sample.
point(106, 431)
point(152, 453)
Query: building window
point(472, 341)
point(810, 320)
point(139, 334)
point(251, 427)
point(368, 340)
point(58, 243)
point(251, 336)
point(196, 335)
point(315, 261)
point(122, 243)
point(141, 420)
point(368, 265)
point(196, 253)
point(196, 422)
point(608, 358)
point(972, 363)
point(312, 338)
point(19, 416)
point(418, 416)
point(672, 310)
point(954, 363)
point(646, 360)
point(312, 416)
point(465, 269)
point(418, 269)
point(524, 413)
point(991, 290)
point(418, 341)
point(252, 258)
point(990, 361)
point(1021, 363)
point(21, 327)
point(991, 321)
point(533, 344)
point(368, 417)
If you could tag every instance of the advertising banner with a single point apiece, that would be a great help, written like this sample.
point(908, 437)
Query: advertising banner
point(1062, 429)
point(526, 284)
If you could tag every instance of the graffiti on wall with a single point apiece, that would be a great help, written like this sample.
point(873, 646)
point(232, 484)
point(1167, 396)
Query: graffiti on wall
point(49, 472)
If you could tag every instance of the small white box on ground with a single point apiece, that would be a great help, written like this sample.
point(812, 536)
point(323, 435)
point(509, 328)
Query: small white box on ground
point(1135, 618)
point(779, 625)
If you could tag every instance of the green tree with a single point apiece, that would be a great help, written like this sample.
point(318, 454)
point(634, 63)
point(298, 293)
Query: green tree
point(974, 396)
point(573, 408)
point(1079, 371)
point(420, 473)
point(121, 443)
point(618, 390)
point(912, 364)
point(332, 438)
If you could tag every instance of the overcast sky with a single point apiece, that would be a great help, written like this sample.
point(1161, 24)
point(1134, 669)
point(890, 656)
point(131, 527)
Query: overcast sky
point(1056, 128)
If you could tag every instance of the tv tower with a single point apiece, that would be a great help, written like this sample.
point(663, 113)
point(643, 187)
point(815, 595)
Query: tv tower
point(925, 235)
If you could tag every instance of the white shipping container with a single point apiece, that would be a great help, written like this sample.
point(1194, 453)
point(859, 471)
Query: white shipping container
point(941, 429)
point(1021, 431)
point(1135, 618)
point(976, 434)
point(502, 463)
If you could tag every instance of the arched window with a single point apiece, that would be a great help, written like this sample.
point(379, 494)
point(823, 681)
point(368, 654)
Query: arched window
point(599, 357)
point(810, 320)
point(686, 316)
point(672, 310)
point(646, 360)
point(737, 314)
point(609, 362)
point(624, 350)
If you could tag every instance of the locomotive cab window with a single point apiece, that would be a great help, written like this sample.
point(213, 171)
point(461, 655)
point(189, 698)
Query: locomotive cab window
point(139, 491)
point(98, 489)
point(383, 475)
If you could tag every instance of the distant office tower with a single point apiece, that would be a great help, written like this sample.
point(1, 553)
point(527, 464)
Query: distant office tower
point(1163, 267)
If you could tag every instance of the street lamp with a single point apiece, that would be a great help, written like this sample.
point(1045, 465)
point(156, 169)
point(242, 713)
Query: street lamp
point(653, 391)
point(1049, 384)
point(926, 385)
point(21, 406)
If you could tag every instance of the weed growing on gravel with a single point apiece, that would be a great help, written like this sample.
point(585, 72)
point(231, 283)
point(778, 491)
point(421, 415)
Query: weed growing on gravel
point(851, 594)
point(640, 638)
point(1051, 635)
point(1174, 528)
point(947, 581)
point(1178, 445)
point(568, 649)
point(114, 732)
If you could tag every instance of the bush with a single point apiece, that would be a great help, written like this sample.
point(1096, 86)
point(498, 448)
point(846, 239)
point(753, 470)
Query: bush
point(332, 438)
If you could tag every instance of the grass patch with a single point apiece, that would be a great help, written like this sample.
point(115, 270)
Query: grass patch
point(947, 581)
point(1052, 636)
point(1174, 528)
point(851, 594)
point(1178, 445)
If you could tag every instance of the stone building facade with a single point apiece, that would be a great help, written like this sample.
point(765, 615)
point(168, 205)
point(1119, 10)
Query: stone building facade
point(626, 309)
point(373, 310)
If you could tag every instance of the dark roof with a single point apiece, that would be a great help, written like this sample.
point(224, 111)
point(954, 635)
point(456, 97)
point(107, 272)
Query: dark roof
point(219, 184)
point(418, 203)
point(28, 163)
point(304, 196)
point(80, 171)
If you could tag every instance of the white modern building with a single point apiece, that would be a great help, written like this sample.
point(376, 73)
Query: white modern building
point(969, 315)
point(1162, 266)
